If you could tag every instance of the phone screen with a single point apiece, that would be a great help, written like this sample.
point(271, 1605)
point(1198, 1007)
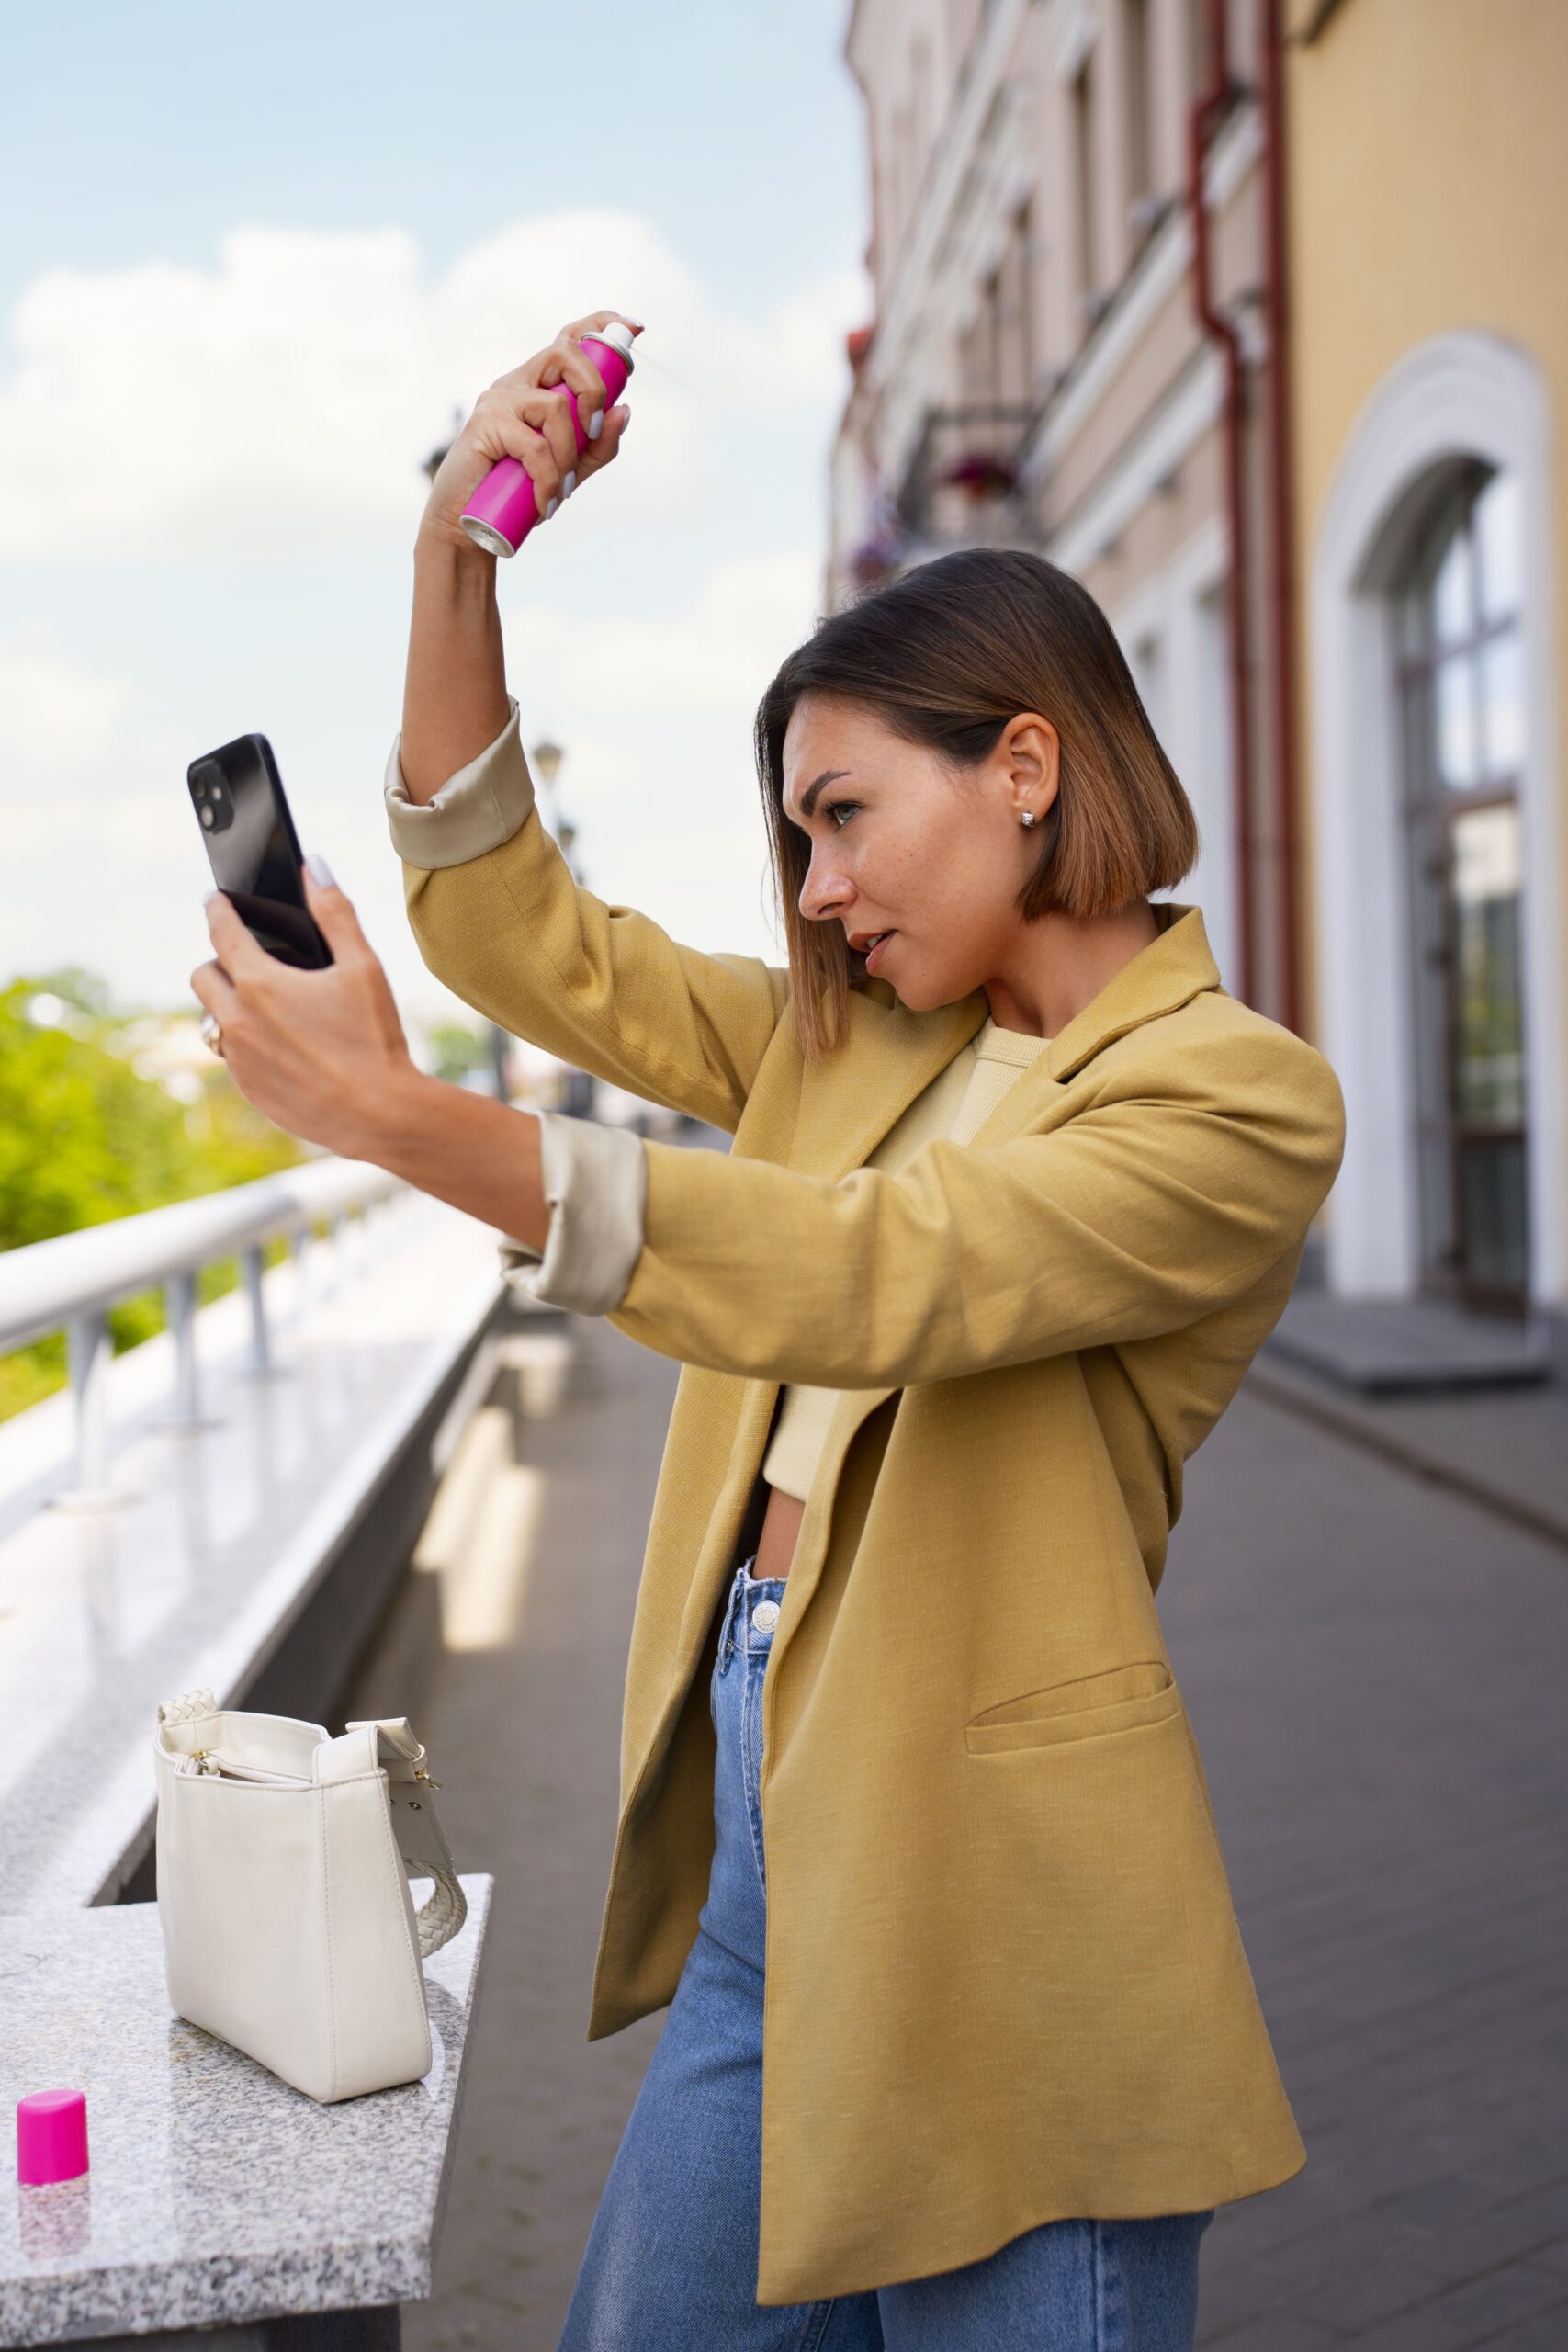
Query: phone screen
point(253, 850)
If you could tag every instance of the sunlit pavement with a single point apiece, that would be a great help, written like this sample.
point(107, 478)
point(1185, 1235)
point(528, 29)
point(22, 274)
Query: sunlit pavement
point(524, 1737)
point(1373, 1669)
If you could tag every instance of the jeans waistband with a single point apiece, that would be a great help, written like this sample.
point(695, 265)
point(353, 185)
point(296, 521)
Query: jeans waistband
point(747, 1594)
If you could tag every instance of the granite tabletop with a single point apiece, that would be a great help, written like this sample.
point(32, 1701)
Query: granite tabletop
point(217, 2192)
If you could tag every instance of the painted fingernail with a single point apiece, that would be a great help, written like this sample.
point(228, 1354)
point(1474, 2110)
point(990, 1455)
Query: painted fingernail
point(597, 425)
point(569, 485)
point(208, 897)
point(551, 508)
point(319, 871)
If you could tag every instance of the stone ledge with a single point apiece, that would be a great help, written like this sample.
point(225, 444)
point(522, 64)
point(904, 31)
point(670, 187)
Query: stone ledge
point(218, 2196)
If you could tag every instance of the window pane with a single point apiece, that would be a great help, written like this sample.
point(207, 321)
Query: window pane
point(1453, 601)
point(1489, 1043)
point(1454, 682)
point(1494, 1214)
point(1499, 548)
point(1502, 706)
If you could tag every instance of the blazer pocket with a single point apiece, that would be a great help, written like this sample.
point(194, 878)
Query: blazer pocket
point(1125, 1699)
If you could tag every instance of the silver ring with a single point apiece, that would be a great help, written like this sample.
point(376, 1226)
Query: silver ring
point(211, 1035)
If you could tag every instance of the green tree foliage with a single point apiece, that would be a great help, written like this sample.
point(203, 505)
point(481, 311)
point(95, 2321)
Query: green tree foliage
point(456, 1050)
point(84, 1138)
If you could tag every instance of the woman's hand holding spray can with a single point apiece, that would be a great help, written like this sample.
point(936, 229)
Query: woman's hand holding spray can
point(532, 436)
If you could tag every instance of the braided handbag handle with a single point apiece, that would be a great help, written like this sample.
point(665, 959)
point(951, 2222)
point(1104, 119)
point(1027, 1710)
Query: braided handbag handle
point(187, 1708)
point(439, 1917)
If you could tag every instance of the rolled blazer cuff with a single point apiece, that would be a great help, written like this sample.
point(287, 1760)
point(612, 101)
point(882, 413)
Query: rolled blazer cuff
point(595, 1180)
point(476, 810)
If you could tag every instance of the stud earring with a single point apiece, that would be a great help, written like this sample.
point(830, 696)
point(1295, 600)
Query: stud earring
point(1026, 817)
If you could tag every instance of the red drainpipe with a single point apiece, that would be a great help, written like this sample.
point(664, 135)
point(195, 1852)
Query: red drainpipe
point(1210, 103)
point(1281, 514)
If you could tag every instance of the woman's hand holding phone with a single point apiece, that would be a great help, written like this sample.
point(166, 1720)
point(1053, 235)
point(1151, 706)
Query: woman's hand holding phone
point(526, 415)
point(322, 1054)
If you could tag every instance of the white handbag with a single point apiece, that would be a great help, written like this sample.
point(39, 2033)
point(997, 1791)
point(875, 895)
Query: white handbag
point(284, 1858)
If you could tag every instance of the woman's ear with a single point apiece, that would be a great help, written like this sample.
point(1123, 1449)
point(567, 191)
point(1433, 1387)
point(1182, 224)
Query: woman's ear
point(1033, 752)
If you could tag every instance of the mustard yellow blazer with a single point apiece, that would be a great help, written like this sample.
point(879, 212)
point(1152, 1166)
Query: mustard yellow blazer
point(1005, 1983)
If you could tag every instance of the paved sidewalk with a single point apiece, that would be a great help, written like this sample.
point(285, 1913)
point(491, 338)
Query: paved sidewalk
point(1372, 1665)
point(1505, 1448)
point(526, 1743)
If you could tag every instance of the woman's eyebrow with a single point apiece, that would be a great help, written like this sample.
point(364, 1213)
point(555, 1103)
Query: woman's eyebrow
point(808, 798)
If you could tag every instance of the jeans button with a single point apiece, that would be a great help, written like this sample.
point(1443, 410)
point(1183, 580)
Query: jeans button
point(765, 1615)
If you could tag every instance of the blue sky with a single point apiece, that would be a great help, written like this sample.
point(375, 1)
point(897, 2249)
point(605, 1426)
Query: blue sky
point(253, 259)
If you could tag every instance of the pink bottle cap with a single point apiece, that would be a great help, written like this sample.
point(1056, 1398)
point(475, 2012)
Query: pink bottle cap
point(52, 2136)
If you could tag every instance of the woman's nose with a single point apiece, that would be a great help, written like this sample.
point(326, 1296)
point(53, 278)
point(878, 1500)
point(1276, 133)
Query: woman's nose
point(824, 893)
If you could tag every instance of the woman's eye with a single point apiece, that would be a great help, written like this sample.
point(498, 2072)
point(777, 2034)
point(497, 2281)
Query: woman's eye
point(838, 809)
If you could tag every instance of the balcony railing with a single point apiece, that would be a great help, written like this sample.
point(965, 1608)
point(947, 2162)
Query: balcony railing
point(70, 1282)
point(965, 485)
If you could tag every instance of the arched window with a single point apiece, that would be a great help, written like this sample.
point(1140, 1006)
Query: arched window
point(1461, 700)
point(1435, 702)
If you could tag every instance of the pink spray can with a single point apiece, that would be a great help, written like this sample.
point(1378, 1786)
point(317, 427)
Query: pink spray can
point(502, 511)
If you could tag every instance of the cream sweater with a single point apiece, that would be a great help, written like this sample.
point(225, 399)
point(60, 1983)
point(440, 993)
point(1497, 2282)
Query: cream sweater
point(956, 1104)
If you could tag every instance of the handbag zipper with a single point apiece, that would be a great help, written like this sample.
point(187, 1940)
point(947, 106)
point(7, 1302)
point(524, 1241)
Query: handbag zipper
point(202, 1764)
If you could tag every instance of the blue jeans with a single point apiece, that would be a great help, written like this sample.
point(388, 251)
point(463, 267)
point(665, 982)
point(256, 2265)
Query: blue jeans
point(671, 2264)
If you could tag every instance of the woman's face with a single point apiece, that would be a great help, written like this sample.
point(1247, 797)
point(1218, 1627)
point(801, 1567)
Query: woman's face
point(901, 846)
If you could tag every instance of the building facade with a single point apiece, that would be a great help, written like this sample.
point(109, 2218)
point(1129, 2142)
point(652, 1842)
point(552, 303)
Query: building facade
point(1428, 182)
point(1039, 374)
point(1223, 306)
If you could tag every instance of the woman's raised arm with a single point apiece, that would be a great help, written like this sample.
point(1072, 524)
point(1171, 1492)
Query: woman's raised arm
point(496, 909)
point(454, 688)
point(455, 699)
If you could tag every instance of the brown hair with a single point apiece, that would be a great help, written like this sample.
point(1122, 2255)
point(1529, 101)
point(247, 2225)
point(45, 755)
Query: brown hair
point(945, 655)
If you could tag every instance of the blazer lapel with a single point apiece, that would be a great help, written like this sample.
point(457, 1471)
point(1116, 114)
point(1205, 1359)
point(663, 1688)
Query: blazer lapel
point(842, 1124)
point(847, 1105)
point(836, 1131)
point(1167, 973)
point(849, 1102)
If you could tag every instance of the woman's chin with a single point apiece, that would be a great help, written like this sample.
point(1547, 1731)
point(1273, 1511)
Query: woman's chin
point(918, 988)
point(916, 994)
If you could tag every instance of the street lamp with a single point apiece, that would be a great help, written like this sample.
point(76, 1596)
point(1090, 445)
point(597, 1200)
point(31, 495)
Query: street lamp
point(432, 465)
point(546, 758)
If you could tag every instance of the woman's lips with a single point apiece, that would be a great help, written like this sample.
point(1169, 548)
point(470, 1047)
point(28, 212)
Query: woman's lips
point(875, 955)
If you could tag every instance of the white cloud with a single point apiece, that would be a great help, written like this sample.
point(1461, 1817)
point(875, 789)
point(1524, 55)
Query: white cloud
point(277, 401)
point(58, 720)
point(654, 716)
point(60, 735)
point(710, 659)
point(654, 712)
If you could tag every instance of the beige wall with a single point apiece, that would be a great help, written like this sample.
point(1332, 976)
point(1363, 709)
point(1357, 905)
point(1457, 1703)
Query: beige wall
point(1429, 193)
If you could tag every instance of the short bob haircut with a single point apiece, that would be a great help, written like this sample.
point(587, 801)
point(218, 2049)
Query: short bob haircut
point(945, 655)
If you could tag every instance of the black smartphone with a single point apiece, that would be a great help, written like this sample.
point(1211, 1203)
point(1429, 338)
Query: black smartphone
point(253, 850)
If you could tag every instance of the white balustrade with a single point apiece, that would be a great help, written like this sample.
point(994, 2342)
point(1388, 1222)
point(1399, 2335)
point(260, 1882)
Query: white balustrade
point(69, 1283)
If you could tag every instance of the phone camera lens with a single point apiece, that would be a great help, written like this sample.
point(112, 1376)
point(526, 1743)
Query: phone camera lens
point(210, 795)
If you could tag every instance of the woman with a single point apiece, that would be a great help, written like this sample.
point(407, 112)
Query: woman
point(962, 2048)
